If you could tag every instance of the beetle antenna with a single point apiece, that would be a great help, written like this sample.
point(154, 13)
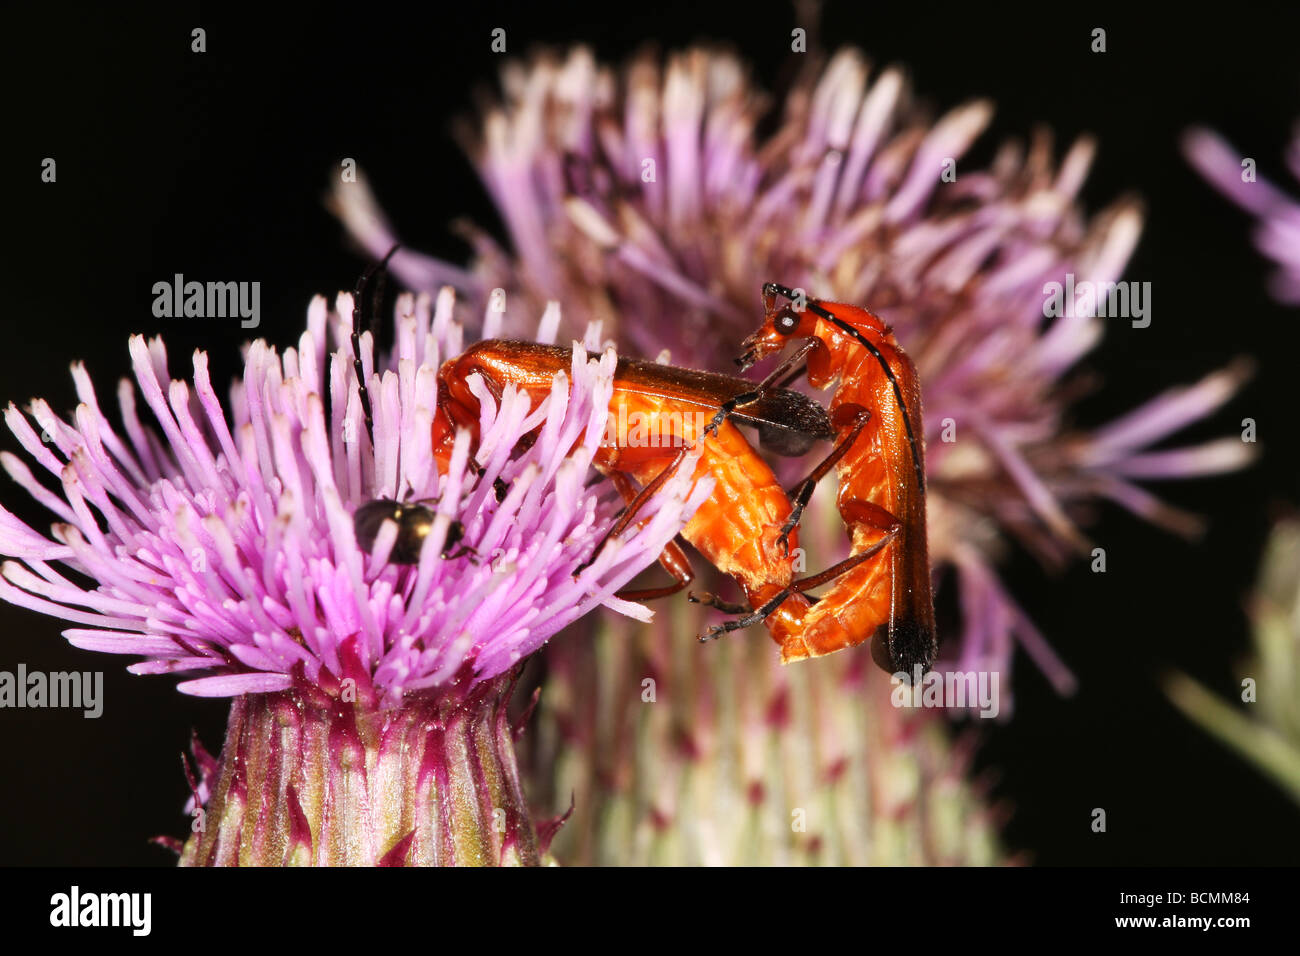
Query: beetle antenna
point(358, 316)
point(778, 289)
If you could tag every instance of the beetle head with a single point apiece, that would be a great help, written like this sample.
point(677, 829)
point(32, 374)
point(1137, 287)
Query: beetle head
point(782, 321)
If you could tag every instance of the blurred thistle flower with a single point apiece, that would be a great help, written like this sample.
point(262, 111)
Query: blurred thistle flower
point(1277, 234)
point(369, 724)
point(1269, 737)
point(650, 199)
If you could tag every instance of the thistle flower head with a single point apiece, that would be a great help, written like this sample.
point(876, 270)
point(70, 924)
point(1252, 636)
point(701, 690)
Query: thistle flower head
point(224, 549)
point(653, 199)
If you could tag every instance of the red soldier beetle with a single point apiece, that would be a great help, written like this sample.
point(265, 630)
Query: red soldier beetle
point(882, 593)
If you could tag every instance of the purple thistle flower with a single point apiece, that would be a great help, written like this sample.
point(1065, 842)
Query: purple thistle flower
point(1277, 234)
point(224, 550)
point(646, 198)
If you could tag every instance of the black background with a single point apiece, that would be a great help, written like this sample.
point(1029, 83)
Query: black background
point(215, 164)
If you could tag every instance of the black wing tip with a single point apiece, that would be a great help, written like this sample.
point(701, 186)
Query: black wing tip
point(904, 646)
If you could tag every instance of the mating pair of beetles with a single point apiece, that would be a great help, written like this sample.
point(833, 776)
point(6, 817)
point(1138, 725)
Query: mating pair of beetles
point(748, 528)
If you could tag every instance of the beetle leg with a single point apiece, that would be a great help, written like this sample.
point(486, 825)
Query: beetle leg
point(674, 561)
point(673, 558)
point(465, 550)
point(803, 491)
point(759, 615)
point(629, 513)
point(499, 487)
point(756, 616)
point(763, 387)
point(712, 600)
point(843, 567)
point(793, 377)
point(455, 532)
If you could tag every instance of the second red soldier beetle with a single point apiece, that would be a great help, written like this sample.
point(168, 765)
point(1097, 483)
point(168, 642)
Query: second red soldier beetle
point(882, 592)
